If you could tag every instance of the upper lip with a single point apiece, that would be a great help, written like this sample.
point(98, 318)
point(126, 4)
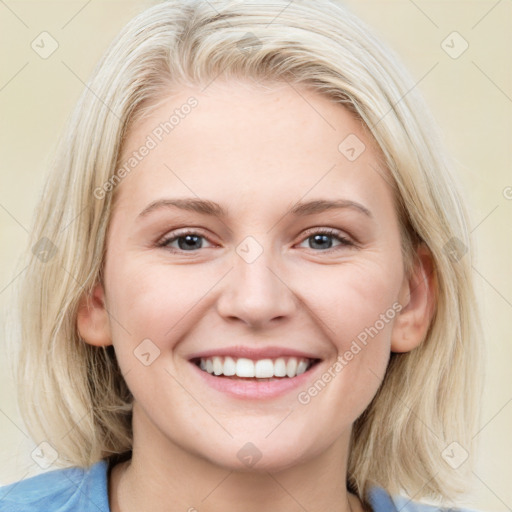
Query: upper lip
point(253, 353)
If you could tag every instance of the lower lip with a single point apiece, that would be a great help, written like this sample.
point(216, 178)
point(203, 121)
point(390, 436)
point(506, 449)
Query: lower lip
point(252, 389)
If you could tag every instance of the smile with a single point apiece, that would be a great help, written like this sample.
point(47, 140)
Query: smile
point(261, 369)
point(255, 379)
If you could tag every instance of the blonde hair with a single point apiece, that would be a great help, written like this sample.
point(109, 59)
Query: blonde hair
point(73, 395)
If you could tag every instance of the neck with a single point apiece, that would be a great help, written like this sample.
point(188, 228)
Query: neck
point(163, 477)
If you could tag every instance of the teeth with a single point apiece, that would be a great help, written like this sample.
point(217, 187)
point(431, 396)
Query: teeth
point(217, 366)
point(291, 367)
point(280, 367)
point(264, 369)
point(302, 367)
point(244, 368)
point(229, 366)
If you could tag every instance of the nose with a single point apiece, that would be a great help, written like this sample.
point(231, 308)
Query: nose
point(255, 293)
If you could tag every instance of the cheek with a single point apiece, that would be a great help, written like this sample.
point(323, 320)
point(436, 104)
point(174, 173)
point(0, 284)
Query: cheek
point(155, 301)
point(351, 298)
point(153, 307)
point(355, 307)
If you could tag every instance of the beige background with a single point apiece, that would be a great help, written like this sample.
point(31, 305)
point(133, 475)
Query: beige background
point(471, 97)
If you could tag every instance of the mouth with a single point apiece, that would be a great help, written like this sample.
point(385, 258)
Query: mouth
point(254, 372)
point(259, 370)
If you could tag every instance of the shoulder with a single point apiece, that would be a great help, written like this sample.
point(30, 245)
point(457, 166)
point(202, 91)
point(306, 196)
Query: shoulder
point(382, 501)
point(406, 505)
point(62, 490)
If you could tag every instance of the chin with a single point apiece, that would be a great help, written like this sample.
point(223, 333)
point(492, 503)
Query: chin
point(260, 456)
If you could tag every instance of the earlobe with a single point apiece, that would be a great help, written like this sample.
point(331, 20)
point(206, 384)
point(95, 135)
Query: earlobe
point(417, 296)
point(92, 318)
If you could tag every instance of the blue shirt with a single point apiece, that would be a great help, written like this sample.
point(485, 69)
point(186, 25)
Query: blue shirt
point(86, 490)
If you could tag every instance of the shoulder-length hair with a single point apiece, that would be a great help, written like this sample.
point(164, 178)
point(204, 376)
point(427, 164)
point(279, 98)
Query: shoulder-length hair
point(73, 395)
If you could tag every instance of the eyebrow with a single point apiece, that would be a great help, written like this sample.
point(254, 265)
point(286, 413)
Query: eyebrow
point(207, 207)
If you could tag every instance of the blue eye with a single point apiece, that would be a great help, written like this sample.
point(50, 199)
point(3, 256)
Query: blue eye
point(322, 238)
point(190, 241)
point(187, 241)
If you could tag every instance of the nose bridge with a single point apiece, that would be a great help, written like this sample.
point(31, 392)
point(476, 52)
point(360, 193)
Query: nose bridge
point(253, 263)
point(255, 293)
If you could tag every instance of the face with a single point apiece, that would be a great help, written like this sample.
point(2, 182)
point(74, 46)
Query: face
point(270, 269)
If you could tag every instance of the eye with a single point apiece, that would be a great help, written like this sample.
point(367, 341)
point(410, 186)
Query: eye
point(188, 241)
point(321, 239)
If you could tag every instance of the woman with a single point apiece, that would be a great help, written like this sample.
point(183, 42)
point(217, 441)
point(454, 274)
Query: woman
point(188, 343)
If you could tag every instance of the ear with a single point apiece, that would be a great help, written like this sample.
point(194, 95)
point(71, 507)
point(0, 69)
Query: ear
point(417, 297)
point(92, 318)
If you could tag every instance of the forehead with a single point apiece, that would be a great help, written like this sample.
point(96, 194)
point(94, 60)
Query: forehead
point(246, 144)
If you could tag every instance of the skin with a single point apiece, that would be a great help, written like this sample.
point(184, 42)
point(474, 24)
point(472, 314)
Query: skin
point(256, 151)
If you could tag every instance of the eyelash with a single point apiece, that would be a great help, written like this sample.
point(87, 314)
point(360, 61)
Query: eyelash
point(345, 242)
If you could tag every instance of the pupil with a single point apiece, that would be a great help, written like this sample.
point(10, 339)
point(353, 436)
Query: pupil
point(320, 238)
point(189, 242)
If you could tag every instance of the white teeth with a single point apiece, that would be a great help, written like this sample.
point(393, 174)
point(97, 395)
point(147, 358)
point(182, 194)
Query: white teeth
point(229, 366)
point(291, 367)
point(244, 367)
point(280, 367)
point(217, 365)
point(264, 369)
point(302, 367)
